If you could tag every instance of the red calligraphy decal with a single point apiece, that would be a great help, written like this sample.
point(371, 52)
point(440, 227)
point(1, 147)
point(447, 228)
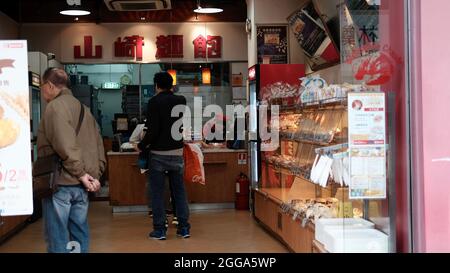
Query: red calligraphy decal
point(130, 46)
point(211, 46)
point(200, 47)
point(170, 46)
point(88, 46)
point(214, 46)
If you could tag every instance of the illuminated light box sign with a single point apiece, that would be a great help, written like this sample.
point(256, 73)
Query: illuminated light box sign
point(111, 85)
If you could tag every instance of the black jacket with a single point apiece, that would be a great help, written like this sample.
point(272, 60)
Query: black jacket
point(159, 123)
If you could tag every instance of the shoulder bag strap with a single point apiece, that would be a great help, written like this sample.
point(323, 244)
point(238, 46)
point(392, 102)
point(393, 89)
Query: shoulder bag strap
point(80, 120)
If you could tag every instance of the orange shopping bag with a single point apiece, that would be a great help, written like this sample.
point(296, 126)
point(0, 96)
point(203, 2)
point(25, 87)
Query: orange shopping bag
point(193, 164)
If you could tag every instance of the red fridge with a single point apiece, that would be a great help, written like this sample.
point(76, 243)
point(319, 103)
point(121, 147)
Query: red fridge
point(267, 82)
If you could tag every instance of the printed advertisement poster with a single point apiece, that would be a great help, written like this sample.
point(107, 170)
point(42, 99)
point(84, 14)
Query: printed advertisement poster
point(16, 194)
point(272, 44)
point(367, 145)
point(311, 34)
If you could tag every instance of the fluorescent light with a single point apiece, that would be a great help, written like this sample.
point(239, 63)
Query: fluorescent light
point(75, 12)
point(208, 10)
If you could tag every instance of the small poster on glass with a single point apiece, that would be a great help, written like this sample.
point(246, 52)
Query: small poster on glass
point(272, 42)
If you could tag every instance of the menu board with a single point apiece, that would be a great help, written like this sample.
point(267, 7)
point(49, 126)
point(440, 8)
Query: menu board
point(16, 193)
point(367, 145)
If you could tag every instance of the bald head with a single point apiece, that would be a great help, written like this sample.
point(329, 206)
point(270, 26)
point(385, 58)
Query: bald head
point(57, 77)
point(54, 81)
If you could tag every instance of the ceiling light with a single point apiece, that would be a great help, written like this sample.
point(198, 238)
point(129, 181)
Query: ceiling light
point(75, 12)
point(206, 8)
point(74, 9)
point(142, 18)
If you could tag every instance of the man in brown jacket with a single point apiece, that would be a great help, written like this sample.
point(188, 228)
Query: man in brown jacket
point(83, 161)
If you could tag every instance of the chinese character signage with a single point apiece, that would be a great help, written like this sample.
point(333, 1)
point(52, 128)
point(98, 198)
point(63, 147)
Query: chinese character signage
point(88, 47)
point(170, 46)
point(359, 28)
point(212, 45)
point(272, 44)
point(16, 193)
point(167, 46)
point(367, 145)
point(130, 46)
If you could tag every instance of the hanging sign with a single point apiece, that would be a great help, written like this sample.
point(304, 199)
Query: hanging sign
point(367, 145)
point(16, 193)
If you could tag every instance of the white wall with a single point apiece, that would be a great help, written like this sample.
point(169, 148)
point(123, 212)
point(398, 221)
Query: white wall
point(269, 12)
point(9, 29)
point(61, 39)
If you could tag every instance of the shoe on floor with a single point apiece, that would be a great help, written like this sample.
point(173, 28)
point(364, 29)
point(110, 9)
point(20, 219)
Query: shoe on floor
point(157, 235)
point(175, 221)
point(183, 232)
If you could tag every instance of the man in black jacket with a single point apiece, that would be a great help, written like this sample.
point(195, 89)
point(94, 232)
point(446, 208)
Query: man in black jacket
point(166, 157)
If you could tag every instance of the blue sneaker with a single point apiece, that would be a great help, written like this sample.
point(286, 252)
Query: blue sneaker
point(183, 232)
point(158, 235)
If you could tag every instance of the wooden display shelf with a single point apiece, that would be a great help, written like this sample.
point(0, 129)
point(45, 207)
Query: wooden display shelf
point(317, 247)
point(312, 106)
point(280, 224)
point(308, 141)
point(279, 195)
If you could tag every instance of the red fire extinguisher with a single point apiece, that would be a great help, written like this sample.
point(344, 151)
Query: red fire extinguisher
point(242, 192)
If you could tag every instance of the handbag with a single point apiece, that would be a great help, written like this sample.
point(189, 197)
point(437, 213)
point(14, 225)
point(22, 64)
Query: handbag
point(51, 166)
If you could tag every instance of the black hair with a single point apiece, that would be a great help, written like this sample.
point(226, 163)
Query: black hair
point(163, 80)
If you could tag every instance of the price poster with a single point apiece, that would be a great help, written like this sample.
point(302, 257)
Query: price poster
point(367, 145)
point(16, 192)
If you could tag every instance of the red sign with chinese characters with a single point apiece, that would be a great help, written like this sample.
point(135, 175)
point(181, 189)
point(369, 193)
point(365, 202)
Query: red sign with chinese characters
point(130, 46)
point(87, 50)
point(170, 46)
point(212, 45)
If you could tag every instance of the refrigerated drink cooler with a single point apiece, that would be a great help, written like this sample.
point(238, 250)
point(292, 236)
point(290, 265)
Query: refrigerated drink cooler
point(264, 84)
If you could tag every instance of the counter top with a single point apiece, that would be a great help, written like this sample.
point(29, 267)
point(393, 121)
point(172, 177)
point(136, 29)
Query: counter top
point(221, 150)
point(205, 151)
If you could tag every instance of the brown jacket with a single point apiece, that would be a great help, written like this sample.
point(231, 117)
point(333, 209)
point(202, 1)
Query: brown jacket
point(80, 154)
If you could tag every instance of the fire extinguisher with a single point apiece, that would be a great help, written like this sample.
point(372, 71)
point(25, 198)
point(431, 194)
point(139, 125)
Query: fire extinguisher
point(242, 192)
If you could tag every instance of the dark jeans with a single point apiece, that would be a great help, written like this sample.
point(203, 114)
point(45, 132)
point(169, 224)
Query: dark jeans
point(174, 166)
point(169, 200)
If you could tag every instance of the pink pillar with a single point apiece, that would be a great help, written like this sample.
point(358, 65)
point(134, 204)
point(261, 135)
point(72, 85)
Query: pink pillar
point(431, 125)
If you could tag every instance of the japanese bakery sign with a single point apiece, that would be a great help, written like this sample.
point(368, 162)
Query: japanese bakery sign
point(167, 46)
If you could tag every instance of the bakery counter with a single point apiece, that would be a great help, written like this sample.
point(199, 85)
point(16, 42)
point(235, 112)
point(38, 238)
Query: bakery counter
point(128, 187)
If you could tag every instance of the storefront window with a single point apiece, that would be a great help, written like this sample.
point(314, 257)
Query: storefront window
point(338, 167)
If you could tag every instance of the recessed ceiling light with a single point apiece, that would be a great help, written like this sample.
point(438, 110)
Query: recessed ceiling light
point(76, 19)
point(75, 12)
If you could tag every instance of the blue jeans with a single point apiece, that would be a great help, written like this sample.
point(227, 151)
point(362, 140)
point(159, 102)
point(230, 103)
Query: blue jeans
point(174, 167)
point(65, 220)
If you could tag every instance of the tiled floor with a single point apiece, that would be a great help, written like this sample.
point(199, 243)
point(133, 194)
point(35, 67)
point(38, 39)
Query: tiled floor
point(228, 231)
